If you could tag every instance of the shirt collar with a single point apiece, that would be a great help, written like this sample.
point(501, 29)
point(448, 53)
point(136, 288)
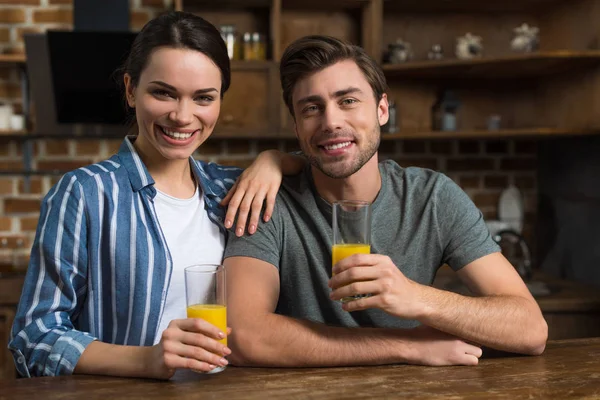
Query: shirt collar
point(140, 177)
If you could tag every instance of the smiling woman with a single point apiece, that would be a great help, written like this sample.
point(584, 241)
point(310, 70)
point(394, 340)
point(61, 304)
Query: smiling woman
point(104, 292)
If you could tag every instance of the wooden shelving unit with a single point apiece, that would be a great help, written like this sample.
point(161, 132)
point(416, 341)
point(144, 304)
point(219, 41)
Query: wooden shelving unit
point(517, 66)
point(484, 134)
point(12, 59)
point(470, 5)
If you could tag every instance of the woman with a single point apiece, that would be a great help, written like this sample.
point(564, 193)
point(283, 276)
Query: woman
point(104, 290)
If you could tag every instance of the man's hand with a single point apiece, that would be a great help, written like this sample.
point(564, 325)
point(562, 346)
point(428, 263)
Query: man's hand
point(375, 274)
point(436, 348)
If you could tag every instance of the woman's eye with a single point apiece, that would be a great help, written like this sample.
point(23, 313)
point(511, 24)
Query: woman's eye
point(204, 99)
point(161, 93)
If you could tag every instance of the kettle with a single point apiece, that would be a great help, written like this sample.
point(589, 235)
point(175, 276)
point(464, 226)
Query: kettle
point(515, 249)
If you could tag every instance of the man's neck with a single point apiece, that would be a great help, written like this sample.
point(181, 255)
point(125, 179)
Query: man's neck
point(363, 185)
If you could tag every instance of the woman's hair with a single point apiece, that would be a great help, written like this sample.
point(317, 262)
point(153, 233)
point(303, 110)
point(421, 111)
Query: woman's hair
point(314, 53)
point(178, 30)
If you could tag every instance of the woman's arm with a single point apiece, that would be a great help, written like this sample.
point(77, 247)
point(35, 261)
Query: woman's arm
point(259, 182)
point(43, 338)
point(187, 343)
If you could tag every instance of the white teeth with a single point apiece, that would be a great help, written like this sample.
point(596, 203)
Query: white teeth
point(337, 146)
point(176, 135)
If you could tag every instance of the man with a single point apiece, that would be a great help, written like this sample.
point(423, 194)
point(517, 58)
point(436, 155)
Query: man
point(283, 305)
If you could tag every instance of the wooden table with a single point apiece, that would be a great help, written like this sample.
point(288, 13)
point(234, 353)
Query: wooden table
point(567, 369)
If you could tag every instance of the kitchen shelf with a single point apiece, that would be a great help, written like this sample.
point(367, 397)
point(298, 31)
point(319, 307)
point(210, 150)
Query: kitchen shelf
point(506, 67)
point(485, 134)
point(12, 59)
point(222, 4)
point(469, 5)
point(10, 133)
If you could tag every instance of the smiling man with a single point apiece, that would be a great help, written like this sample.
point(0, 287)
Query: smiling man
point(283, 305)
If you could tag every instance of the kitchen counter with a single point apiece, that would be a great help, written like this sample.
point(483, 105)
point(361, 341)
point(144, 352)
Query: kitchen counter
point(567, 369)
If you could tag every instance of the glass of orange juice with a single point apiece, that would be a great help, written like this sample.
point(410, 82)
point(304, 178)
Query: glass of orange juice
point(205, 297)
point(351, 223)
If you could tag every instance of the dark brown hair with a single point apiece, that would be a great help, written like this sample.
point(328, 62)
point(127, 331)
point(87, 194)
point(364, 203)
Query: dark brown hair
point(178, 30)
point(314, 53)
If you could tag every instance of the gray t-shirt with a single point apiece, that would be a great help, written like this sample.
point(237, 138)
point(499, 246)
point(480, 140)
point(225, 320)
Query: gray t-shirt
point(421, 219)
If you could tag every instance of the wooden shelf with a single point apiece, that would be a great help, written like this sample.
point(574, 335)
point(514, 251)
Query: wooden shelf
point(507, 67)
point(252, 65)
point(485, 134)
point(469, 5)
point(224, 4)
point(11, 132)
point(12, 59)
point(335, 5)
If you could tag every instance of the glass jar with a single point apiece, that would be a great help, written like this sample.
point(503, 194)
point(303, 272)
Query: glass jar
point(259, 46)
point(229, 35)
point(248, 50)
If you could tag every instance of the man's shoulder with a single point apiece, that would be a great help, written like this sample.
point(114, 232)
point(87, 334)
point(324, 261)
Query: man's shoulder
point(412, 177)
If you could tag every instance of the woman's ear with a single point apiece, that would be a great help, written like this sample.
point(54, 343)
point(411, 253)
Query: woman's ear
point(129, 90)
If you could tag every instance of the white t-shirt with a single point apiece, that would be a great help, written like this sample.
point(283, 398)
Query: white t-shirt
point(192, 238)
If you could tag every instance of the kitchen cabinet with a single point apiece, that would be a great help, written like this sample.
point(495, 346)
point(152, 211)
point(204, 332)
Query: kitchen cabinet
point(533, 93)
point(247, 109)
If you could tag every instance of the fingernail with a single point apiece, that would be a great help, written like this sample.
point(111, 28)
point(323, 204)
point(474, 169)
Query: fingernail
point(227, 351)
point(267, 218)
point(224, 361)
point(239, 231)
point(212, 366)
point(227, 224)
point(252, 228)
point(221, 335)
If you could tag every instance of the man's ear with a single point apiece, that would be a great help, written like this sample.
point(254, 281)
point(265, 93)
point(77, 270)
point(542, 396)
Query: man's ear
point(383, 110)
point(129, 90)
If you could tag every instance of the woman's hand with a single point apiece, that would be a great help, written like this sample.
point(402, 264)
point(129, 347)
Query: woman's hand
point(190, 343)
point(258, 182)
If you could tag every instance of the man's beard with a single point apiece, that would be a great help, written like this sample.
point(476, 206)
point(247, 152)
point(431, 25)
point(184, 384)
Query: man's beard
point(341, 170)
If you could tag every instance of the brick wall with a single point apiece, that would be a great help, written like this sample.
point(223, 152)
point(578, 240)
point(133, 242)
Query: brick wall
point(481, 167)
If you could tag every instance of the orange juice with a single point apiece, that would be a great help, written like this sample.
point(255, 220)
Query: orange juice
point(341, 251)
point(215, 314)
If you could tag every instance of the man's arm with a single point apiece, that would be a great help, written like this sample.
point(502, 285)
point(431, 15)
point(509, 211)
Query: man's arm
point(262, 338)
point(505, 317)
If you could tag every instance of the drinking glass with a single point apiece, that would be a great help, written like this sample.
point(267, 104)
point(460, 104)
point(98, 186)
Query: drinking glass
point(351, 223)
point(205, 297)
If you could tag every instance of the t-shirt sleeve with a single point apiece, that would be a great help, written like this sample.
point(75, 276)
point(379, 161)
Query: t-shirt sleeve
point(463, 233)
point(264, 244)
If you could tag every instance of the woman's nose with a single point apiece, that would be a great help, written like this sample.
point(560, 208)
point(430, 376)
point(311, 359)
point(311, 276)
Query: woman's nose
point(183, 114)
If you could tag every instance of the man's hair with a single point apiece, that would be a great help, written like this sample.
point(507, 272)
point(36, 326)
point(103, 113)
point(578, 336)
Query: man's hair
point(316, 52)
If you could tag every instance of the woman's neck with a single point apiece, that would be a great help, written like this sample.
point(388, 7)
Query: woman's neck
point(172, 177)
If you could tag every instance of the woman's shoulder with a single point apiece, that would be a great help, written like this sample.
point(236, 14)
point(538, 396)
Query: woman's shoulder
point(90, 174)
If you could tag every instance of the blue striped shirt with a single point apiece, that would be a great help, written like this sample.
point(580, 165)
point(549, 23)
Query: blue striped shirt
point(100, 266)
